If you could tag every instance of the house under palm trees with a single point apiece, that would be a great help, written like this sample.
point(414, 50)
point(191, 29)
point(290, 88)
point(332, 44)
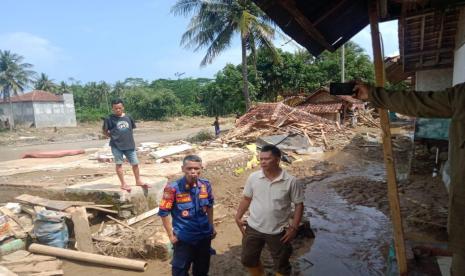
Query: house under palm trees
point(40, 109)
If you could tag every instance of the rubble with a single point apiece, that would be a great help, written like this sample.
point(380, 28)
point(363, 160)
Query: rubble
point(269, 119)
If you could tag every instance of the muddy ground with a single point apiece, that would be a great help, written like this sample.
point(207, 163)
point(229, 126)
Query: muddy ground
point(346, 203)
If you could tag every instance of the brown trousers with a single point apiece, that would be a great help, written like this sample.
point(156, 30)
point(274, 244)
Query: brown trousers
point(252, 246)
point(458, 265)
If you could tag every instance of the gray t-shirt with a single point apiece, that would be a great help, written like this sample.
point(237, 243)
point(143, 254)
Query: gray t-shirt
point(120, 131)
point(271, 201)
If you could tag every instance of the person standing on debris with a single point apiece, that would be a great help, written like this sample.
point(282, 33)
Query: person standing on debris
point(216, 124)
point(353, 116)
point(119, 127)
point(189, 201)
point(449, 103)
point(269, 194)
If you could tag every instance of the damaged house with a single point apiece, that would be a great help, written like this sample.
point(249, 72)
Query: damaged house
point(328, 106)
point(40, 109)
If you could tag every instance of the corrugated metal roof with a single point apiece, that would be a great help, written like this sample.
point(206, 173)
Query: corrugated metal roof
point(37, 96)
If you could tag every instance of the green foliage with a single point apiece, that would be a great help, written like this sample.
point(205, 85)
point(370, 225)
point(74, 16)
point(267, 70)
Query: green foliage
point(15, 74)
point(146, 103)
point(45, 84)
point(216, 22)
point(203, 135)
point(269, 73)
point(89, 114)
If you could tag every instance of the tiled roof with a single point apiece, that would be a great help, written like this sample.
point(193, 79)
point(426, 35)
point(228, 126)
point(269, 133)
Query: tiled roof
point(321, 108)
point(37, 96)
point(349, 99)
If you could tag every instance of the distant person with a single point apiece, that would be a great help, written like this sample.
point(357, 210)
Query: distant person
point(269, 193)
point(449, 103)
point(189, 201)
point(238, 116)
point(119, 127)
point(216, 124)
point(353, 116)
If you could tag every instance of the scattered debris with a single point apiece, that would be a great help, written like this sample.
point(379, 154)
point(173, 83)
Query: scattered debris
point(280, 119)
point(59, 205)
point(170, 150)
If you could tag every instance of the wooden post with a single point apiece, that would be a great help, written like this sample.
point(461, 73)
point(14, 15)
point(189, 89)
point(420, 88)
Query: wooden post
point(387, 145)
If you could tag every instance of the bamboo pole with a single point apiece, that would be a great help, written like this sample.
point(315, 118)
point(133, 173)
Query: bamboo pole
point(88, 257)
point(393, 194)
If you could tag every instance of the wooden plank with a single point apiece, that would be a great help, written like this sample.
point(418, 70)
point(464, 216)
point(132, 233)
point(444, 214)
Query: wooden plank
point(28, 210)
point(52, 204)
point(306, 25)
point(37, 209)
point(102, 209)
point(393, 194)
point(120, 222)
point(48, 273)
point(142, 216)
point(30, 259)
point(37, 267)
point(106, 239)
point(441, 31)
point(82, 229)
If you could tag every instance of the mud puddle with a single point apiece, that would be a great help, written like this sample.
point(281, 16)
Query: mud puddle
point(350, 239)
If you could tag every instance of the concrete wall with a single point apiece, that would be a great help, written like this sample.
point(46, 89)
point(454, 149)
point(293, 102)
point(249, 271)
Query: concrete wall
point(23, 113)
point(459, 57)
point(55, 114)
point(433, 80)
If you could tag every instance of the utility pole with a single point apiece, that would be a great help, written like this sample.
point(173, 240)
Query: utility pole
point(343, 61)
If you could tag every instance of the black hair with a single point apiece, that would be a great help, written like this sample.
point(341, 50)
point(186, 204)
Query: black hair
point(191, 158)
point(117, 101)
point(275, 151)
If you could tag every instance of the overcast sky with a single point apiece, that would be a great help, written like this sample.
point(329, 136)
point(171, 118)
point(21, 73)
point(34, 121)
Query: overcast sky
point(91, 40)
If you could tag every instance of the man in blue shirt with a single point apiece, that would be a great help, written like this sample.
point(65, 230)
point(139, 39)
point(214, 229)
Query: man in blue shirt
point(189, 201)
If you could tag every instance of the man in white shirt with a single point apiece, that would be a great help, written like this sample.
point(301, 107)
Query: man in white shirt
point(269, 194)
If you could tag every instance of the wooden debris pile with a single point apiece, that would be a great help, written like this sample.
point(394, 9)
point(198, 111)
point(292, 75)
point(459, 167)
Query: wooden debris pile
point(24, 263)
point(140, 237)
point(278, 118)
point(92, 228)
point(366, 117)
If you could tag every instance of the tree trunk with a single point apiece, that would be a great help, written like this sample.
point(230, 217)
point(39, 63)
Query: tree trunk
point(245, 88)
point(11, 121)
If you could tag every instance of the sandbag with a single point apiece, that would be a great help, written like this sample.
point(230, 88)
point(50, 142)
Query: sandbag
point(50, 228)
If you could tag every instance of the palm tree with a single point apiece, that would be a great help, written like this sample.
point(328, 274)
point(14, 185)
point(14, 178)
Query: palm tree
point(14, 77)
point(63, 88)
point(44, 83)
point(214, 24)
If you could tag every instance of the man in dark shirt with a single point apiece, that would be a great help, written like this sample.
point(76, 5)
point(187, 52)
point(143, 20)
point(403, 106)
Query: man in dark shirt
point(118, 126)
point(216, 124)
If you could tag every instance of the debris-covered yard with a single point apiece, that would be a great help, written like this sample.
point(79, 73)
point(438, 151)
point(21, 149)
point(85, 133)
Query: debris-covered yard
point(346, 205)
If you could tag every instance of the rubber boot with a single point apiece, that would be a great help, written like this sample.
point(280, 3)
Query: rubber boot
point(256, 271)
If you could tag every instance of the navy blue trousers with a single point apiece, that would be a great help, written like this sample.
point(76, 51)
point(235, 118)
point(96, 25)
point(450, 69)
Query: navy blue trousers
point(187, 254)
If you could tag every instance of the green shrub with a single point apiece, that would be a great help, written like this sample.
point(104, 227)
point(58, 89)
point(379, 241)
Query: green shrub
point(90, 114)
point(203, 135)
